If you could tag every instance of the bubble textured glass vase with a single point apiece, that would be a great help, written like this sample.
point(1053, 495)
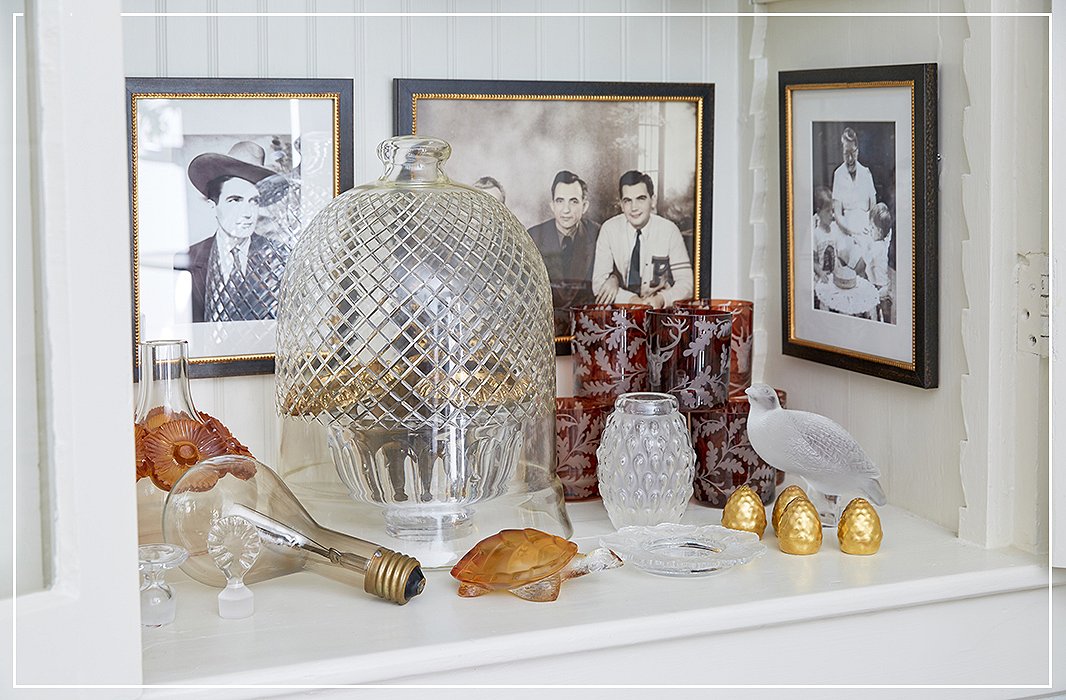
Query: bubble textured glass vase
point(646, 461)
point(415, 321)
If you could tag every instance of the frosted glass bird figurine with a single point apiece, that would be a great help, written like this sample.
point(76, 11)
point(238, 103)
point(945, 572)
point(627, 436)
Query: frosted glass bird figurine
point(814, 448)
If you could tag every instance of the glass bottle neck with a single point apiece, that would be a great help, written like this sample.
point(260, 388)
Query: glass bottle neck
point(647, 403)
point(164, 380)
point(413, 160)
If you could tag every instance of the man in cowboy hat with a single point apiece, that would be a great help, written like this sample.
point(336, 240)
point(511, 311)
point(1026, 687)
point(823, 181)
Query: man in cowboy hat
point(236, 273)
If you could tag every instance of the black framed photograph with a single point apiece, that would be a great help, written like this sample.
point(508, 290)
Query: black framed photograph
point(613, 181)
point(224, 174)
point(859, 244)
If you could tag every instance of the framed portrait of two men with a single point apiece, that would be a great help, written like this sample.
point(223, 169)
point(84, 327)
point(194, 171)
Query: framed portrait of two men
point(859, 255)
point(224, 173)
point(613, 181)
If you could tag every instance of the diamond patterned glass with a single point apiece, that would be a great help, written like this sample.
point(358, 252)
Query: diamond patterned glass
point(415, 321)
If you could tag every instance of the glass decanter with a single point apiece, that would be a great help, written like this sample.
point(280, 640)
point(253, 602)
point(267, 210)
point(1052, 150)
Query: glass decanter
point(415, 322)
point(163, 395)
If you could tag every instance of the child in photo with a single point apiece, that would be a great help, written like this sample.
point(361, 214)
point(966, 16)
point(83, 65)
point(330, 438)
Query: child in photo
point(876, 261)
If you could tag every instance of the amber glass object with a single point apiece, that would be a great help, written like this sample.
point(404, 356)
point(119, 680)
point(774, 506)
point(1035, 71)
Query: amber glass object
point(741, 346)
point(579, 422)
point(725, 458)
point(688, 355)
point(169, 434)
point(528, 563)
point(292, 540)
point(742, 335)
point(415, 322)
point(610, 346)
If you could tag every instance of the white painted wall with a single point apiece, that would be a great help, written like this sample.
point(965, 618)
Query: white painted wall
point(16, 264)
point(374, 50)
point(1058, 306)
point(990, 410)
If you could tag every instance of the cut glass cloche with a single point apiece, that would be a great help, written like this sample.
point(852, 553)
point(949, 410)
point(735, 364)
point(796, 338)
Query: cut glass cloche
point(415, 324)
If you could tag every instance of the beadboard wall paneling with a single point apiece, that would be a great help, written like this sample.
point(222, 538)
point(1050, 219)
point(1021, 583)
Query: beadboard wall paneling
point(604, 42)
point(930, 444)
point(237, 40)
point(374, 50)
point(475, 43)
point(187, 41)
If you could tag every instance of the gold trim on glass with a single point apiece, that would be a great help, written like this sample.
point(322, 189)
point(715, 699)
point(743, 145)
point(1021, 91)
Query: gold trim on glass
point(697, 232)
point(333, 97)
point(789, 194)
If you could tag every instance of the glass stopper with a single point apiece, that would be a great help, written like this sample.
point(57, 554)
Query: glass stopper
point(157, 598)
point(234, 544)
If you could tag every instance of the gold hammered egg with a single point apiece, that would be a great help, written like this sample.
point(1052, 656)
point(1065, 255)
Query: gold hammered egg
point(745, 511)
point(782, 502)
point(859, 530)
point(800, 529)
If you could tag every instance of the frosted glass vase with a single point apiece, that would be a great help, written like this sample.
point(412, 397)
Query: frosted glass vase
point(646, 461)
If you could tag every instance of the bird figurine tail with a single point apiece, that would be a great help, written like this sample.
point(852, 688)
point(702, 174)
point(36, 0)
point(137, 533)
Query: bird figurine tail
point(874, 492)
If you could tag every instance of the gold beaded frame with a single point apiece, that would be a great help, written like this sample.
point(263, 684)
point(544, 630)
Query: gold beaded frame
point(846, 93)
point(335, 93)
point(594, 99)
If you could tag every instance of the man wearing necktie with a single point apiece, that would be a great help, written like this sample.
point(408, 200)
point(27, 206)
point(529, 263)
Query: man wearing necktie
point(640, 256)
point(236, 273)
point(567, 242)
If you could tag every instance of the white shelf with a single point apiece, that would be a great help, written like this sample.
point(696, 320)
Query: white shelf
point(312, 630)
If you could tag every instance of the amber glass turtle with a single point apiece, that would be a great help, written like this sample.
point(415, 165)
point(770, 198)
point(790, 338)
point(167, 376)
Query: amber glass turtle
point(528, 563)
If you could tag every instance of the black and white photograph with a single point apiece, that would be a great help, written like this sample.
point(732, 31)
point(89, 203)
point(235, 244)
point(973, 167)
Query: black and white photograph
point(224, 176)
point(612, 180)
point(853, 207)
point(859, 255)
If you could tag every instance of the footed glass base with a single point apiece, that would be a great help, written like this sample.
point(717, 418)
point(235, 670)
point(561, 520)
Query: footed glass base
point(331, 506)
point(425, 525)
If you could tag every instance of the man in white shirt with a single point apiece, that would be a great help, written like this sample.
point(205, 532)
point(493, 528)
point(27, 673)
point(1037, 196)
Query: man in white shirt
point(236, 273)
point(854, 193)
point(640, 256)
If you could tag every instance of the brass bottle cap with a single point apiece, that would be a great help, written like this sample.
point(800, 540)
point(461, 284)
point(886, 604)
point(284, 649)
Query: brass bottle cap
point(393, 576)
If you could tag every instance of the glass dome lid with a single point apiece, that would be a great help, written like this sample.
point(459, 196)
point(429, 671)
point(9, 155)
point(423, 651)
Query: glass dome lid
point(415, 322)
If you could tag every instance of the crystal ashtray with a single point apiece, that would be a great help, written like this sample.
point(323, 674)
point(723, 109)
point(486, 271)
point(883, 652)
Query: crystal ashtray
point(684, 550)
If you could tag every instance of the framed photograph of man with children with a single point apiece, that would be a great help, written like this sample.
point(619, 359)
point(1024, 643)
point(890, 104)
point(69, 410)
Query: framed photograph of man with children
point(859, 219)
point(613, 181)
point(224, 173)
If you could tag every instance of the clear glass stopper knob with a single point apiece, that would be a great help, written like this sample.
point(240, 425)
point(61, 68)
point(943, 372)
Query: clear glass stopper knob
point(234, 544)
point(157, 598)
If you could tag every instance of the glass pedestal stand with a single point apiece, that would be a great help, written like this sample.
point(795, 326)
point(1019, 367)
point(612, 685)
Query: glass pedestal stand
point(157, 598)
